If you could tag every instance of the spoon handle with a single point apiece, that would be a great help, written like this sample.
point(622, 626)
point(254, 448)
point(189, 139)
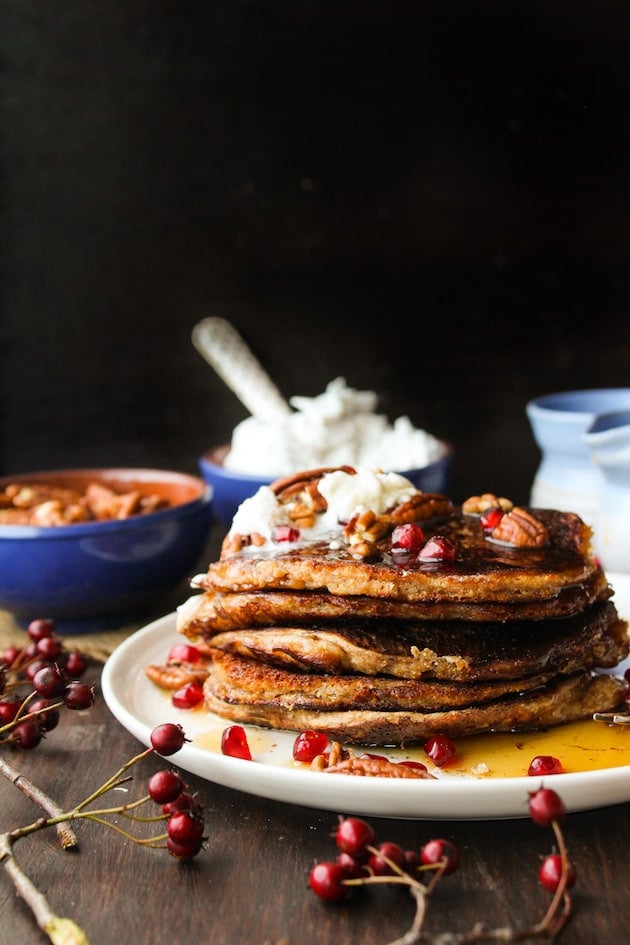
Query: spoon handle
point(226, 351)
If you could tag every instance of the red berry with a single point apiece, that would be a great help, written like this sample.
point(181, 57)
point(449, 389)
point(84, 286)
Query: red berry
point(184, 653)
point(185, 826)
point(309, 745)
point(387, 850)
point(10, 655)
point(78, 695)
point(46, 717)
point(234, 743)
point(408, 538)
point(354, 836)
point(165, 786)
point(285, 533)
point(190, 695)
point(75, 664)
point(183, 851)
point(183, 801)
point(354, 869)
point(34, 666)
point(8, 710)
point(440, 749)
point(49, 681)
point(437, 850)
point(167, 738)
point(545, 764)
point(546, 806)
point(26, 734)
point(49, 648)
point(326, 881)
point(40, 628)
point(550, 872)
point(438, 548)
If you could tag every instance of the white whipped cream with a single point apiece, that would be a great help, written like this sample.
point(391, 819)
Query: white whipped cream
point(339, 427)
point(345, 495)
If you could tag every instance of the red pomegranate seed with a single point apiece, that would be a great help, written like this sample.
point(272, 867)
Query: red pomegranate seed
point(234, 743)
point(545, 764)
point(190, 695)
point(407, 538)
point(440, 749)
point(438, 548)
point(184, 653)
point(491, 518)
point(309, 745)
point(285, 533)
point(417, 765)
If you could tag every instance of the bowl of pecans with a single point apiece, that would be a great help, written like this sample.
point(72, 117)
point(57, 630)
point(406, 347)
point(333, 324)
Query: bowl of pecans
point(92, 548)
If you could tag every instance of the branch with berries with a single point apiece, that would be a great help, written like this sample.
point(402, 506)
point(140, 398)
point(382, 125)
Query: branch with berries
point(36, 684)
point(361, 862)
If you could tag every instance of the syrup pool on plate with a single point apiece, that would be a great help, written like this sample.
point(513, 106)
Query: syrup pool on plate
point(579, 746)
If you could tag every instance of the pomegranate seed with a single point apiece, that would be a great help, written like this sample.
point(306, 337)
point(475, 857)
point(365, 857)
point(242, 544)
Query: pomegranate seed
point(545, 806)
point(438, 850)
point(234, 743)
point(309, 745)
point(407, 538)
point(545, 764)
point(326, 881)
point(550, 872)
point(491, 518)
point(184, 653)
point(167, 738)
point(354, 836)
point(438, 548)
point(440, 749)
point(190, 695)
point(285, 533)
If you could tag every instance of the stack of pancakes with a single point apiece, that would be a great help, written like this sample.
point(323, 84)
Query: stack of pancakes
point(332, 608)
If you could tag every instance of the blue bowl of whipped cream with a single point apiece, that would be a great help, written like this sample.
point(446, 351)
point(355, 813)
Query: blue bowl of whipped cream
point(339, 427)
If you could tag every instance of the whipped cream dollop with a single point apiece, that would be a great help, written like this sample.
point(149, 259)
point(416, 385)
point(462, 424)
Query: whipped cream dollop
point(338, 427)
point(345, 495)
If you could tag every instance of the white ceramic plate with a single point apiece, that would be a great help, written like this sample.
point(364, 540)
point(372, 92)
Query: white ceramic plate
point(139, 706)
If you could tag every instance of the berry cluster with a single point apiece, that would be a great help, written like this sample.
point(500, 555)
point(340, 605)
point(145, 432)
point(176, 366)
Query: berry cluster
point(36, 681)
point(361, 861)
point(185, 821)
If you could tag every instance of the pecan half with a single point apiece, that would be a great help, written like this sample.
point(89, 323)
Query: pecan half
point(520, 528)
point(421, 507)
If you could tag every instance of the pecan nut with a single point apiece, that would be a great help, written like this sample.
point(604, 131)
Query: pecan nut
point(477, 504)
point(420, 507)
point(521, 529)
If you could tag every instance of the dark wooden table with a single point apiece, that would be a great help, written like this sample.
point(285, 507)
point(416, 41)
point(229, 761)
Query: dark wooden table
point(250, 883)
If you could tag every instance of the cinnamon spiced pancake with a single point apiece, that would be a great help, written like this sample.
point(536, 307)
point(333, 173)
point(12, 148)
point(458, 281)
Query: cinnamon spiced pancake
point(348, 601)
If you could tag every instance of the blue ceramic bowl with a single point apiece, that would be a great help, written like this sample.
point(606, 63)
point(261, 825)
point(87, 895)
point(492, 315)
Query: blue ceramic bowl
point(231, 488)
point(94, 574)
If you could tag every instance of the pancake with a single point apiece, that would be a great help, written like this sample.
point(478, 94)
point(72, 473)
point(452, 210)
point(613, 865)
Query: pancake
point(451, 650)
point(568, 700)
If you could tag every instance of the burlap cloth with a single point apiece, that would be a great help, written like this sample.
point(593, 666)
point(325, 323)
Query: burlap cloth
point(98, 645)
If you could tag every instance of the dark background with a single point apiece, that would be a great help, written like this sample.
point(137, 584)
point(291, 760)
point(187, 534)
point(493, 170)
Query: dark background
point(430, 199)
